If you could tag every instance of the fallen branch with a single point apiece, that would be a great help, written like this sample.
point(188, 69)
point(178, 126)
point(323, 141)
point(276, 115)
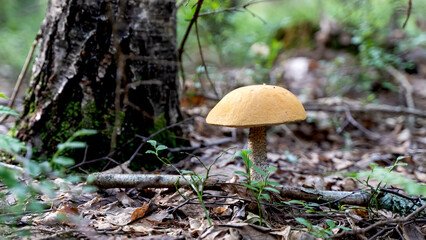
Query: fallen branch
point(21, 76)
point(14, 167)
point(386, 201)
point(381, 223)
point(396, 110)
point(236, 8)
point(140, 181)
point(408, 13)
point(408, 89)
point(370, 134)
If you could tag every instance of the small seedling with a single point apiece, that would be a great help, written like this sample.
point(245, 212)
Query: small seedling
point(257, 187)
point(196, 181)
point(318, 231)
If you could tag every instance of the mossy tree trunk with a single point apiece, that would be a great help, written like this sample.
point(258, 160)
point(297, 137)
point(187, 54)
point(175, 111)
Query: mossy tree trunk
point(102, 64)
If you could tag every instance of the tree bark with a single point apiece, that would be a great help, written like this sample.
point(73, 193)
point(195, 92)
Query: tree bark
point(107, 65)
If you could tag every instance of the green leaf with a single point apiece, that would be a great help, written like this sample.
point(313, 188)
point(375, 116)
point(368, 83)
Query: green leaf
point(304, 222)
point(272, 183)
point(330, 223)
point(45, 167)
point(272, 189)
point(271, 169)
point(187, 172)
point(73, 178)
point(240, 154)
point(241, 173)
point(161, 147)
point(8, 177)
point(89, 189)
point(260, 171)
point(8, 111)
point(344, 228)
point(84, 132)
point(296, 202)
point(48, 188)
point(3, 96)
point(34, 168)
point(265, 196)
point(249, 187)
point(64, 161)
point(244, 155)
point(71, 145)
point(90, 179)
point(150, 151)
point(152, 142)
point(10, 144)
point(35, 206)
point(401, 158)
point(402, 164)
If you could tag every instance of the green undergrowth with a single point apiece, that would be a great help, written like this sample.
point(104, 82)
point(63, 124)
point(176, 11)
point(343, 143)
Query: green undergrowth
point(25, 179)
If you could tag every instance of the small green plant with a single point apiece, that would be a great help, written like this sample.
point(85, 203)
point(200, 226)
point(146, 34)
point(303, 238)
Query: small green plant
point(310, 207)
point(380, 198)
point(30, 178)
point(257, 187)
point(61, 161)
point(318, 231)
point(8, 143)
point(196, 181)
point(377, 173)
point(386, 176)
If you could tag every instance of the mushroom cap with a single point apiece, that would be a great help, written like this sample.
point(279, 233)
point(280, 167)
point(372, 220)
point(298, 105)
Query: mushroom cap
point(256, 106)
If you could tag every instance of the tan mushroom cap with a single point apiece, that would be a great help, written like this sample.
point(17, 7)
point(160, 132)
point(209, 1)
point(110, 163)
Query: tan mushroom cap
point(255, 106)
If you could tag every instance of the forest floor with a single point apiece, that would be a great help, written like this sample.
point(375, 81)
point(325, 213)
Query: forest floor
point(341, 136)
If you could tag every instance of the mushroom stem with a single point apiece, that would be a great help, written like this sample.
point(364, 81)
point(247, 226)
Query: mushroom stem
point(257, 146)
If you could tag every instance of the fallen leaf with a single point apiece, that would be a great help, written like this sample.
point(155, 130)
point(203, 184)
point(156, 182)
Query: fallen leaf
point(411, 231)
point(125, 200)
point(220, 210)
point(139, 212)
point(159, 217)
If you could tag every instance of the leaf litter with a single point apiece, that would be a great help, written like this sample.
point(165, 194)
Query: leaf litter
point(312, 154)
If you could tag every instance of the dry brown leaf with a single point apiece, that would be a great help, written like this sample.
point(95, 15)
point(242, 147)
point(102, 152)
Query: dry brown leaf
point(159, 217)
point(420, 176)
point(411, 231)
point(353, 217)
point(286, 233)
point(139, 212)
point(65, 215)
point(66, 209)
point(115, 215)
point(220, 210)
point(197, 226)
point(192, 210)
point(125, 200)
point(239, 231)
point(140, 229)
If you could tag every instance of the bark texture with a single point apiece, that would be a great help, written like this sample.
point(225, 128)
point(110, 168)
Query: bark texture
point(102, 63)
point(257, 146)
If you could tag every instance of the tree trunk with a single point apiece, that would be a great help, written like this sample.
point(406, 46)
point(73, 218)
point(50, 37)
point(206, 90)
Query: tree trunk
point(102, 64)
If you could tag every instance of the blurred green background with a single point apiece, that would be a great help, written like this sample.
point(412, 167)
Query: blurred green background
point(19, 23)
point(227, 38)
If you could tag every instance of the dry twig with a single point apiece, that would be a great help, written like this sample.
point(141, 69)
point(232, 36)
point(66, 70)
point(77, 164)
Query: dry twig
point(185, 37)
point(381, 223)
point(403, 81)
point(22, 74)
point(360, 198)
point(408, 13)
point(388, 109)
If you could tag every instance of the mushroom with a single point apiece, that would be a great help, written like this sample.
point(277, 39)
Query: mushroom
point(256, 107)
